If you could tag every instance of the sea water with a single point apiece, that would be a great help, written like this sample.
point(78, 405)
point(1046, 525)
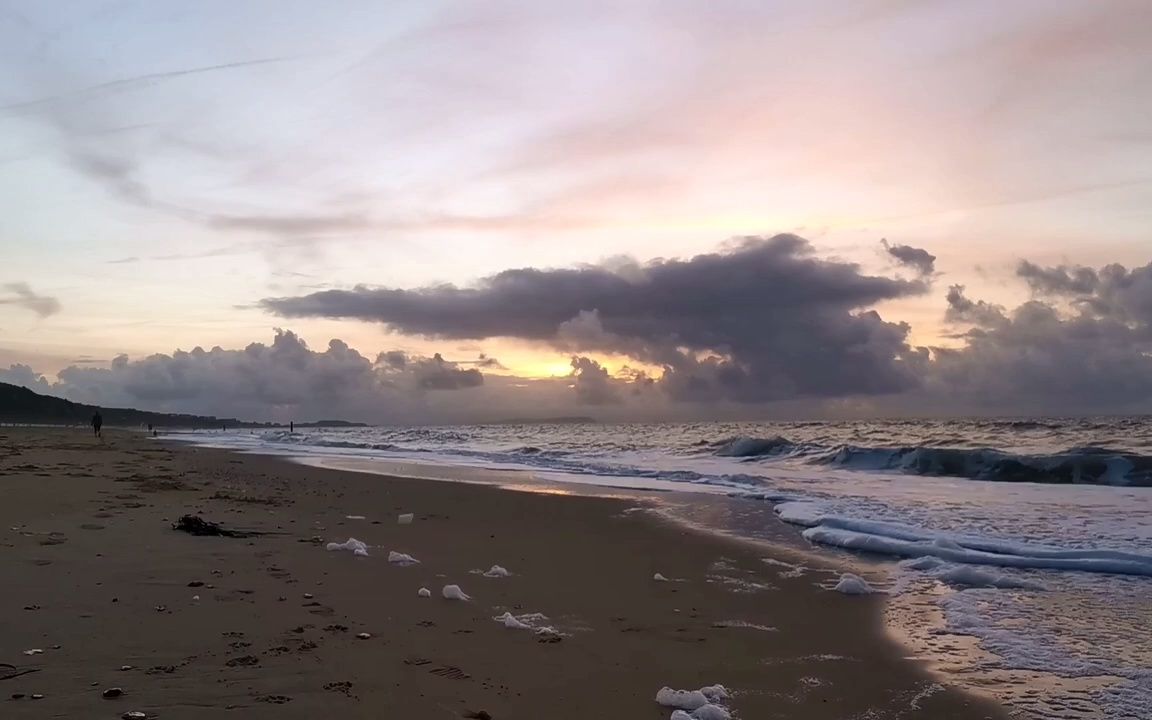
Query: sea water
point(1019, 551)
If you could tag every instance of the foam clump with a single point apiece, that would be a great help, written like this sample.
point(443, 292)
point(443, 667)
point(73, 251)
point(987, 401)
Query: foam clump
point(681, 699)
point(659, 578)
point(352, 545)
point(453, 592)
point(716, 693)
point(497, 572)
point(424, 592)
point(509, 621)
point(399, 558)
point(405, 518)
point(853, 585)
point(710, 712)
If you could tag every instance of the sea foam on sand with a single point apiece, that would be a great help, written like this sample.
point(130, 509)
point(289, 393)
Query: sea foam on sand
point(853, 585)
point(453, 592)
point(351, 544)
point(702, 704)
point(497, 572)
point(399, 558)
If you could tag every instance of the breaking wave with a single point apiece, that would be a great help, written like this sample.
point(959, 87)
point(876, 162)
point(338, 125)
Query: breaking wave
point(1076, 466)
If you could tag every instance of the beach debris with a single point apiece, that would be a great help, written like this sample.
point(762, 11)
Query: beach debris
point(497, 572)
point(112, 692)
point(659, 578)
point(405, 518)
point(352, 545)
point(453, 592)
point(853, 585)
point(424, 592)
point(399, 558)
point(196, 525)
point(363, 636)
point(34, 651)
point(133, 715)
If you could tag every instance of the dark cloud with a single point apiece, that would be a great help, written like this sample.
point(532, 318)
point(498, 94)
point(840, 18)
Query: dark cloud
point(1086, 347)
point(283, 379)
point(24, 376)
point(1112, 291)
point(919, 259)
point(961, 309)
point(434, 373)
point(592, 383)
point(21, 295)
point(764, 319)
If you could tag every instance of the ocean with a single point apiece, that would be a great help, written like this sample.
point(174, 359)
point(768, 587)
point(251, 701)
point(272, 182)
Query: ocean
point(1017, 552)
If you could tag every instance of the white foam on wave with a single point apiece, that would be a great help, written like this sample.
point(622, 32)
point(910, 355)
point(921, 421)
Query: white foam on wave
point(403, 559)
point(908, 541)
point(968, 576)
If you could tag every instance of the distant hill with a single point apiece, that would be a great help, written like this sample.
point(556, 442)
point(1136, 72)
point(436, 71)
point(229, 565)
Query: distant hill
point(21, 405)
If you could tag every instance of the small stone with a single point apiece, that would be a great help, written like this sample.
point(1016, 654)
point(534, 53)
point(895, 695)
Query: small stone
point(195, 597)
point(125, 668)
point(160, 608)
point(196, 583)
point(55, 647)
point(308, 596)
point(363, 636)
point(17, 696)
point(34, 651)
point(37, 696)
point(113, 692)
point(134, 715)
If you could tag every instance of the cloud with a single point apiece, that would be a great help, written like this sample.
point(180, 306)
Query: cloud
point(1086, 347)
point(24, 376)
point(135, 81)
point(919, 259)
point(285, 379)
point(762, 319)
point(434, 373)
point(592, 383)
point(21, 295)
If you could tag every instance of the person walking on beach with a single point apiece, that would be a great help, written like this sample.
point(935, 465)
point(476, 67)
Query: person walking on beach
point(97, 423)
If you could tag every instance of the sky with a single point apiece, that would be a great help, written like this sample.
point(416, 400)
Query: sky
point(460, 211)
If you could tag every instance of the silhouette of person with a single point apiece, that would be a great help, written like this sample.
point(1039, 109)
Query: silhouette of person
point(97, 423)
point(291, 426)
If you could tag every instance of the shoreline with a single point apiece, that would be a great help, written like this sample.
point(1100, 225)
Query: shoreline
point(93, 525)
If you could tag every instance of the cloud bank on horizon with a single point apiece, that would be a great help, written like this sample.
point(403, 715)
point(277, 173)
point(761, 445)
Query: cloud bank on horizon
point(763, 325)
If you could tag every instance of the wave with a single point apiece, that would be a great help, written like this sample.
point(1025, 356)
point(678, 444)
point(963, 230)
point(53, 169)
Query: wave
point(908, 541)
point(1075, 466)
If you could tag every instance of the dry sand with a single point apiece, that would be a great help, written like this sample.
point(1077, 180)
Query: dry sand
point(94, 575)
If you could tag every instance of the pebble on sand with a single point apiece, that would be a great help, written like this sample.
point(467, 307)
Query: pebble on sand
point(363, 636)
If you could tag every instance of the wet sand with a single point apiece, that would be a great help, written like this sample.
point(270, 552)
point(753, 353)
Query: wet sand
point(96, 578)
